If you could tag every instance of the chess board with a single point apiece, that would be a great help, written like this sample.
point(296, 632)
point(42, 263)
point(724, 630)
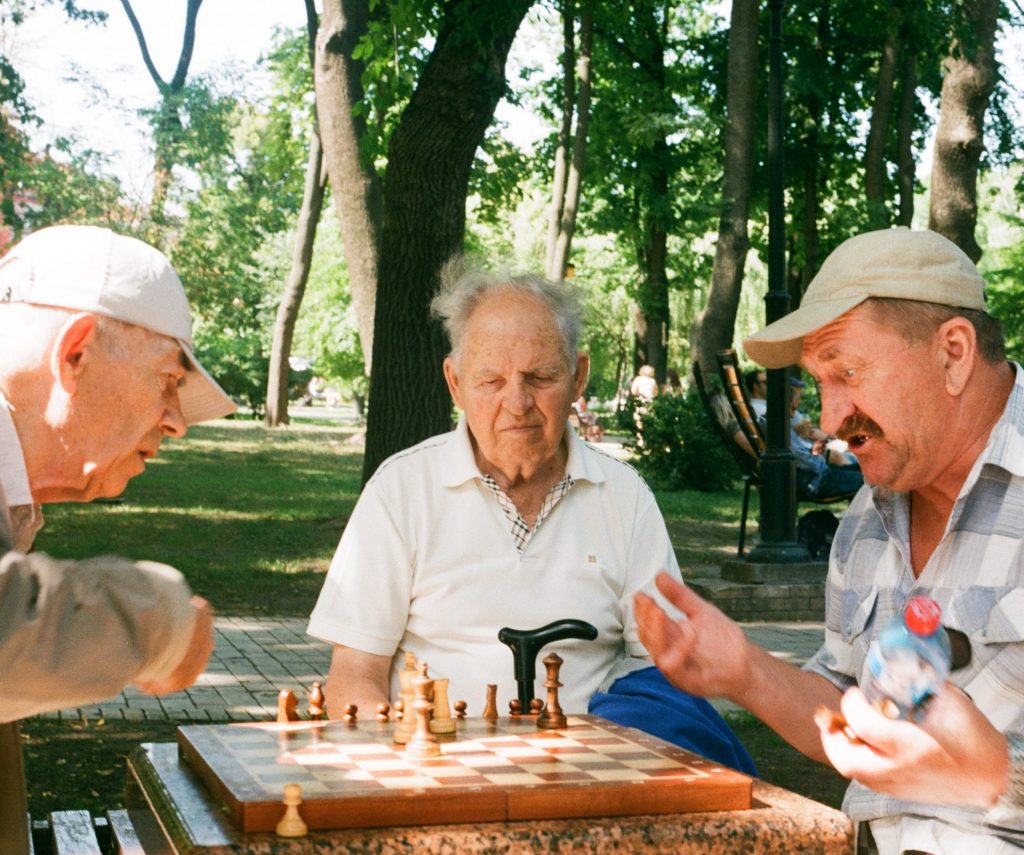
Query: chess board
point(354, 776)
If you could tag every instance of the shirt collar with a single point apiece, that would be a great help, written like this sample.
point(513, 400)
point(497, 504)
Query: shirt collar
point(462, 462)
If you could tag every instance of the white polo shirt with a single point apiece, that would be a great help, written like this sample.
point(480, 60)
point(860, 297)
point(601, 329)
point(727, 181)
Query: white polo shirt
point(24, 515)
point(427, 564)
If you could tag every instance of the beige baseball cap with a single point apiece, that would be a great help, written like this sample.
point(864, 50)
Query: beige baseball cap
point(92, 269)
point(897, 263)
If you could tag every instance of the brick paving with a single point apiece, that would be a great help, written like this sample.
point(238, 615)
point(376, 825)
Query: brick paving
point(257, 657)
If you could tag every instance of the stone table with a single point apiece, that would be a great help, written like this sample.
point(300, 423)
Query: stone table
point(172, 813)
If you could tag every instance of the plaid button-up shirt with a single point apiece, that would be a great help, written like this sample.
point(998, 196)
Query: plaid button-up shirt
point(976, 574)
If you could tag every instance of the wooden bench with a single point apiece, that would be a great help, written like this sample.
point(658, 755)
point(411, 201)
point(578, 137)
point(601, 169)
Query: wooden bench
point(730, 412)
point(75, 832)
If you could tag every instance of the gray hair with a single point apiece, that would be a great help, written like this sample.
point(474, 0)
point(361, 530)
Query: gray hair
point(917, 321)
point(462, 291)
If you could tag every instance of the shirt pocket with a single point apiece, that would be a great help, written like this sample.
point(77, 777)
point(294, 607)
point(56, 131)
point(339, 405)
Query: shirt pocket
point(1003, 620)
point(857, 612)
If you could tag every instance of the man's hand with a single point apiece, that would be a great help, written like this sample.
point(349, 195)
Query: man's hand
point(196, 657)
point(955, 756)
point(703, 653)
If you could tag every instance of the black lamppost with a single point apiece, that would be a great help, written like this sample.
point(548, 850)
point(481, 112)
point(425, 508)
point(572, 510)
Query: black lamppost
point(778, 543)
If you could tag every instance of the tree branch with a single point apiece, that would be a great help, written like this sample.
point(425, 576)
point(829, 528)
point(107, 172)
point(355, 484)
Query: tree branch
point(187, 44)
point(146, 58)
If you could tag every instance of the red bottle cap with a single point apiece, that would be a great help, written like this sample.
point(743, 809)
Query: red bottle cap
point(922, 615)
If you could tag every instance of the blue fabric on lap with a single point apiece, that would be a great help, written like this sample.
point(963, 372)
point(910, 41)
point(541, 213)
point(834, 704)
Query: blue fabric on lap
point(645, 700)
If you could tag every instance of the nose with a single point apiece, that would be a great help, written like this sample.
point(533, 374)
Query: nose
point(518, 398)
point(836, 407)
point(173, 421)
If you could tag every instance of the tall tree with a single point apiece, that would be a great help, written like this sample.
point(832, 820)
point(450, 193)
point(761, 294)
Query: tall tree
point(875, 172)
point(568, 173)
point(302, 256)
point(713, 328)
point(356, 186)
point(167, 120)
point(430, 155)
point(970, 76)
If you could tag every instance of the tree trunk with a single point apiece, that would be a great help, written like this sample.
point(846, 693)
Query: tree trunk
point(966, 87)
point(355, 185)
point(295, 287)
point(302, 255)
point(713, 329)
point(874, 153)
point(429, 160)
point(655, 305)
point(905, 165)
point(567, 221)
point(559, 178)
point(168, 124)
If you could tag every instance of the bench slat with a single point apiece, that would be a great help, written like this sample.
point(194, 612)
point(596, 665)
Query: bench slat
point(73, 833)
point(123, 839)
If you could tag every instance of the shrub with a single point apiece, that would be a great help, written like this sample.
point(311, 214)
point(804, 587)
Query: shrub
point(677, 448)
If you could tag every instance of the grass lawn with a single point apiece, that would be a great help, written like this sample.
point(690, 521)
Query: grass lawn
point(252, 517)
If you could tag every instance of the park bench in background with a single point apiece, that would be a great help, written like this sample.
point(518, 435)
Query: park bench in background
point(732, 418)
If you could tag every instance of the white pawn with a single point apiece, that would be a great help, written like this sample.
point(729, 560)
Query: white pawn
point(442, 722)
point(291, 824)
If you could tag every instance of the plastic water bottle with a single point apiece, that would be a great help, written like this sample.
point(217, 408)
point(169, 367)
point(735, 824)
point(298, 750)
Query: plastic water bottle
point(908, 661)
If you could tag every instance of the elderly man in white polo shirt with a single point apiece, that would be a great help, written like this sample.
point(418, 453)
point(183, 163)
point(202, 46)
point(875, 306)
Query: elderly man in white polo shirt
point(510, 520)
point(96, 367)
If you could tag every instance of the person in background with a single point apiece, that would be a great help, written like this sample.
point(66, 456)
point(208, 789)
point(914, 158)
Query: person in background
point(96, 368)
point(756, 383)
point(644, 387)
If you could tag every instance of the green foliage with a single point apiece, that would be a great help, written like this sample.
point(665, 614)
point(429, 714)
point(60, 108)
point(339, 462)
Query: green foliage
point(227, 250)
point(677, 448)
point(326, 331)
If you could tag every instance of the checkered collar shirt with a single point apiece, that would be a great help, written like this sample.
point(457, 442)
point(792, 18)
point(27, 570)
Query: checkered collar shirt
point(577, 468)
point(976, 574)
point(521, 532)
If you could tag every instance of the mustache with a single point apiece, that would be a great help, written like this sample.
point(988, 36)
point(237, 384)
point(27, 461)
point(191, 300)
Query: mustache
point(858, 425)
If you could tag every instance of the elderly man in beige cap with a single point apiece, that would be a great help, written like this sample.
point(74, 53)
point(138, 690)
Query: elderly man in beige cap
point(96, 367)
point(912, 375)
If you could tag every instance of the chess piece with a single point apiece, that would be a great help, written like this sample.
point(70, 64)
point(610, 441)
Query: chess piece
point(515, 707)
point(552, 717)
point(536, 705)
point(460, 709)
point(291, 824)
point(316, 702)
point(287, 706)
point(383, 708)
point(491, 706)
point(407, 696)
point(351, 713)
point(442, 721)
point(399, 709)
point(423, 743)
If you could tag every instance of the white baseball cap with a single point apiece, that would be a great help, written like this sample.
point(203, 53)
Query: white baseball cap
point(92, 269)
point(896, 263)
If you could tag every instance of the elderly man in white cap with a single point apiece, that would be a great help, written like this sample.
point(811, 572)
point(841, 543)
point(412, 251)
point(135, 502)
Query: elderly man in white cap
point(912, 375)
point(96, 367)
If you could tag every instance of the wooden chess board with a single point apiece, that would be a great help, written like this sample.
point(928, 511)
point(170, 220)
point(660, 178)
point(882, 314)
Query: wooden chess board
point(354, 776)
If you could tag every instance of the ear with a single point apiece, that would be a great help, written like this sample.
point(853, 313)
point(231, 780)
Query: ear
point(73, 349)
point(582, 372)
point(451, 377)
point(958, 348)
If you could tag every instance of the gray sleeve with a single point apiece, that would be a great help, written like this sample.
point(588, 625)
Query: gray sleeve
point(75, 632)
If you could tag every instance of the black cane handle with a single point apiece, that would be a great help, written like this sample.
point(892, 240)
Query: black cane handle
point(525, 643)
